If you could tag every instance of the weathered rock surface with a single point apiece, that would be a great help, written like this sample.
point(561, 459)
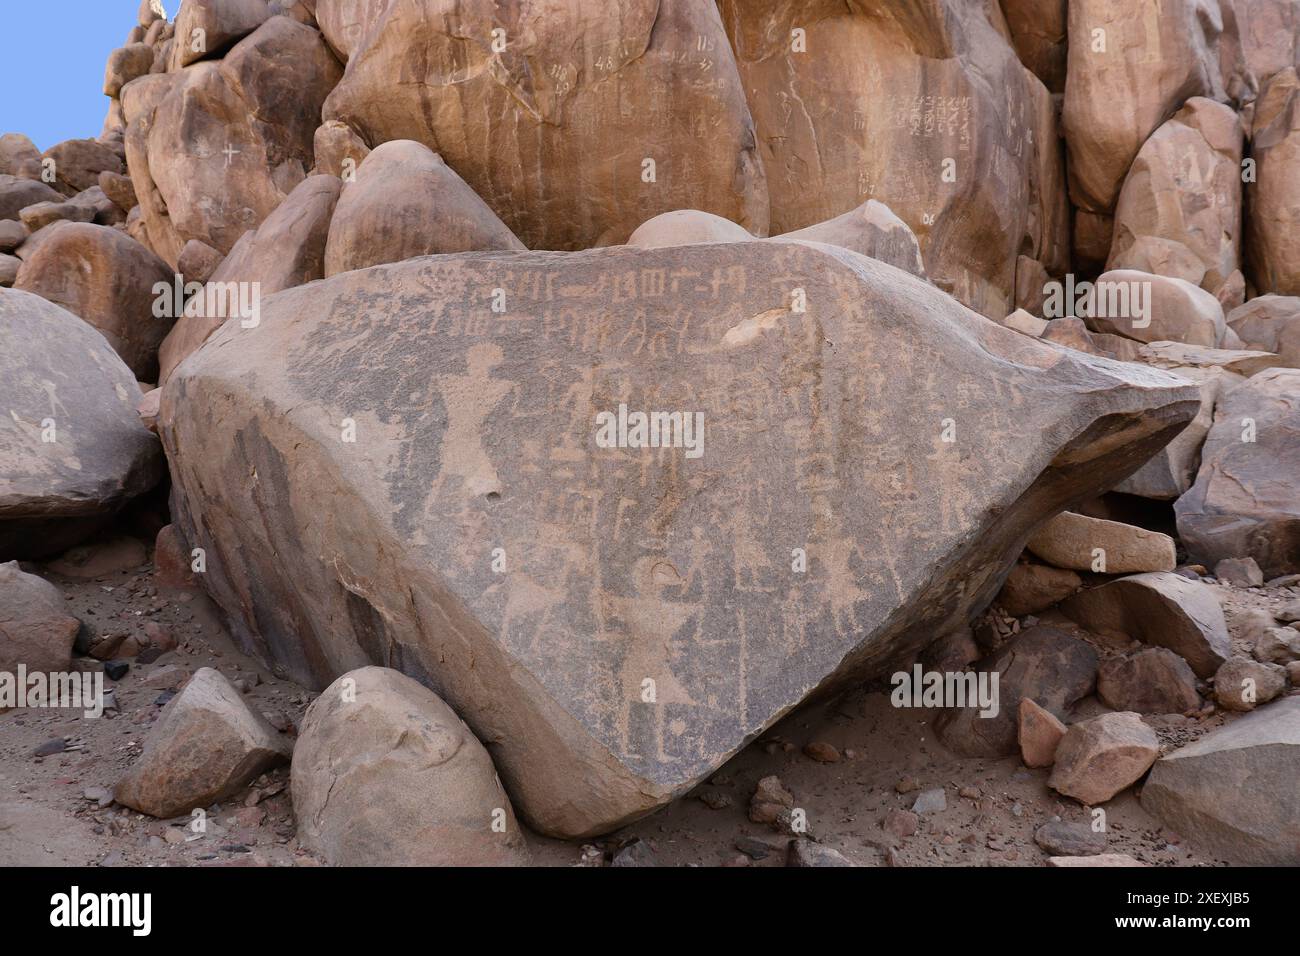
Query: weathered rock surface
point(1273, 200)
point(430, 799)
point(57, 486)
point(36, 629)
point(1039, 733)
point(1042, 664)
point(1278, 645)
point(19, 157)
point(1130, 66)
point(288, 249)
point(1072, 541)
point(339, 151)
point(1162, 609)
point(1236, 791)
point(1173, 310)
point(78, 163)
point(1159, 256)
point(1239, 572)
point(1031, 588)
point(12, 234)
point(1038, 33)
point(198, 261)
point(560, 153)
point(1246, 499)
point(107, 278)
point(1171, 471)
point(1153, 680)
point(17, 193)
point(1270, 323)
point(126, 64)
point(407, 202)
point(1183, 358)
point(346, 22)
point(936, 82)
point(207, 28)
point(872, 230)
point(214, 149)
point(42, 214)
point(1070, 839)
point(1185, 186)
point(1098, 758)
point(686, 227)
point(206, 746)
point(457, 443)
point(1243, 684)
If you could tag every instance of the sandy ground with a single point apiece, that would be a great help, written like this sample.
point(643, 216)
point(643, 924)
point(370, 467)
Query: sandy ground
point(890, 755)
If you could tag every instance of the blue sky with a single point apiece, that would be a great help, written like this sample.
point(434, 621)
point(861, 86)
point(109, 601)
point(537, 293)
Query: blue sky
point(53, 55)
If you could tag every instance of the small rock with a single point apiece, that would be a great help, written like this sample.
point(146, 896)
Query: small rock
point(754, 848)
point(1242, 684)
point(1153, 680)
point(822, 752)
point(1098, 758)
point(1070, 839)
point(1278, 645)
point(56, 746)
point(930, 801)
point(1102, 859)
point(1040, 732)
point(714, 799)
point(99, 795)
point(206, 746)
point(805, 853)
point(353, 788)
point(1031, 588)
point(116, 670)
point(1239, 572)
point(769, 799)
point(167, 677)
point(901, 823)
point(636, 853)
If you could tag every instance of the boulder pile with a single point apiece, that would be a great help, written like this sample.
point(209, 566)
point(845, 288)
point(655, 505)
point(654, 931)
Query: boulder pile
point(568, 392)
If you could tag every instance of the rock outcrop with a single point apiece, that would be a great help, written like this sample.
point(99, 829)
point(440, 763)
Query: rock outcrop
point(568, 120)
point(215, 148)
point(839, 92)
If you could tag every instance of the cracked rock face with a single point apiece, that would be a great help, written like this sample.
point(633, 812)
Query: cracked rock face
point(387, 471)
